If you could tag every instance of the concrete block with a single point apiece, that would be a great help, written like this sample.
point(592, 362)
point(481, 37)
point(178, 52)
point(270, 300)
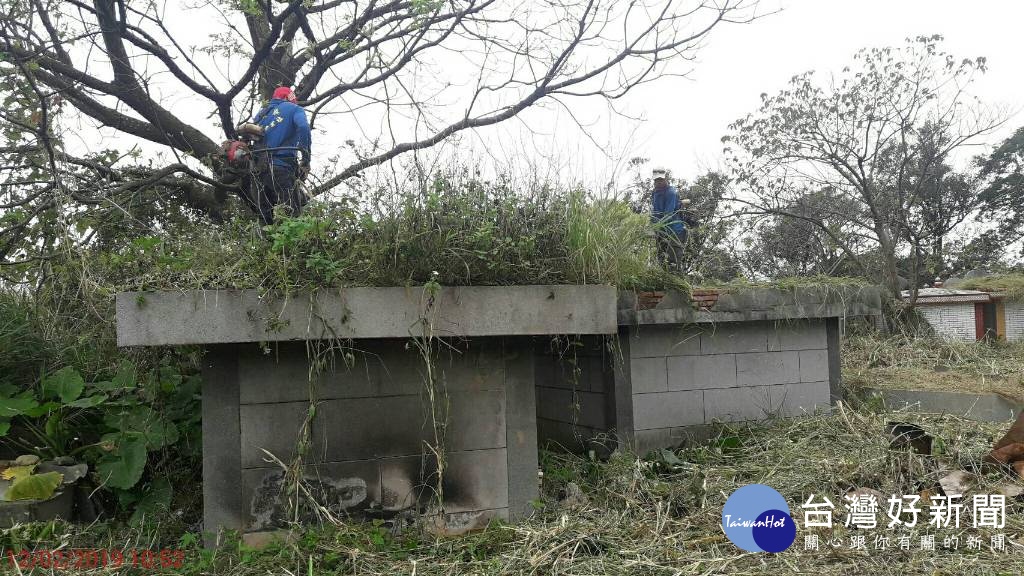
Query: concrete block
point(342, 487)
point(835, 368)
point(734, 337)
point(661, 341)
point(797, 335)
point(554, 403)
point(402, 371)
point(474, 480)
point(407, 481)
point(645, 441)
point(700, 372)
point(520, 429)
point(814, 365)
point(271, 427)
point(800, 399)
point(475, 420)
point(737, 404)
point(222, 457)
point(668, 409)
point(363, 428)
point(358, 428)
point(597, 373)
point(478, 480)
point(649, 375)
point(559, 405)
point(282, 375)
point(224, 316)
point(767, 368)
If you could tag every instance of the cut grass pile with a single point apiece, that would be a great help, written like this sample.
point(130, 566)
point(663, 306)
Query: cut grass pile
point(931, 363)
point(659, 515)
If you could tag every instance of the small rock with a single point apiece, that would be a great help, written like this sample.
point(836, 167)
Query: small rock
point(26, 460)
point(574, 496)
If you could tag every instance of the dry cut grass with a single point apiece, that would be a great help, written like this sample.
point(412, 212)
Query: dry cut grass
point(929, 363)
point(659, 515)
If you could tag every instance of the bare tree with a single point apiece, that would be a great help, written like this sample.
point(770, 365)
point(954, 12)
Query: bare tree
point(860, 143)
point(424, 69)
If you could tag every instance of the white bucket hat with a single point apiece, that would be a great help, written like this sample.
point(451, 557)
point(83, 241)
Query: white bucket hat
point(659, 173)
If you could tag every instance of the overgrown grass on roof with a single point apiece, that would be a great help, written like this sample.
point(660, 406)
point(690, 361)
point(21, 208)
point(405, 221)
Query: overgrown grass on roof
point(1012, 285)
point(461, 235)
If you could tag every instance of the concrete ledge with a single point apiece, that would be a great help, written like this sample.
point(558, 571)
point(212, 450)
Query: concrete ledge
point(753, 304)
point(981, 407)
point(224, 316)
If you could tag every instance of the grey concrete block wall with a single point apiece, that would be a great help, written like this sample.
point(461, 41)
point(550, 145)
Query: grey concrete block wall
point(573, 407)
point(684, 378)
point(369, 428)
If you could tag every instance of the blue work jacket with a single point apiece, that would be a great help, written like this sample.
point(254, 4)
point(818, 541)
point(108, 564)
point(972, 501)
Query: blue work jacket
point(665, 210)
point(284, 125)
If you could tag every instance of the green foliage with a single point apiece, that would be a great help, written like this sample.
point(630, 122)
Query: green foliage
point(66, 384)
point(34, 487)
point(608, 243)
point(467, 231)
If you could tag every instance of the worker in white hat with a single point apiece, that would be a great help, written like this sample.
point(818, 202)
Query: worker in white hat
point(666, 214)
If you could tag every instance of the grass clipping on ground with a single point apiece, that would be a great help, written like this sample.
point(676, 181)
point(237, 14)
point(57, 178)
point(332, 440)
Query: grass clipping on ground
point(662, 515)
point(931, 363)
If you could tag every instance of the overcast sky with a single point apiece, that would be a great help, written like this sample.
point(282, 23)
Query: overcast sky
point(685, 119)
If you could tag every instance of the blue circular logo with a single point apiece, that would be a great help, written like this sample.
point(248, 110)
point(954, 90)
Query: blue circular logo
point(756, 519)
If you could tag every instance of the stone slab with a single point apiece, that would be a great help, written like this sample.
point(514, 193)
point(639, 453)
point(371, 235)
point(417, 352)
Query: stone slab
point(223, 316)
point(758, 304)
point(981, 407)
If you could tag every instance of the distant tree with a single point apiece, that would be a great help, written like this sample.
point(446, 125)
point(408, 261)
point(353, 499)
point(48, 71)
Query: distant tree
point(1002, 195)
point(404, 74)
point(874, 141)
point(779, 246)
point(709, 252)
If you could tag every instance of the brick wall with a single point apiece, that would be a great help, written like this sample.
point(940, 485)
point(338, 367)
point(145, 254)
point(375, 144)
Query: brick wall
point(1014, 320)
point(954, 320)
point(686, 377)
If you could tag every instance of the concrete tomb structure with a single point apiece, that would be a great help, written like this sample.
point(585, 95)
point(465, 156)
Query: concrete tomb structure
point(331, 394)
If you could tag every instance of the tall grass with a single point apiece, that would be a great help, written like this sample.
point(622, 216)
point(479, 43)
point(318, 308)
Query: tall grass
point(461, 232)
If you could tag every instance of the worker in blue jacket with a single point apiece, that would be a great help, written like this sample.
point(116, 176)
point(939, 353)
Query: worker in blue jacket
point(281, 159)
point(666, 213)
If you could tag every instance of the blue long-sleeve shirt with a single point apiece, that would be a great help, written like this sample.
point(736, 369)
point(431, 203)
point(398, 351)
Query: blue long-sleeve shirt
point(284, 125)
point(665, 209)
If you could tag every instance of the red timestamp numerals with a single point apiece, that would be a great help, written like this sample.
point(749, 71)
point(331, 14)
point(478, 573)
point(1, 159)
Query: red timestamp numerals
point(86, 559)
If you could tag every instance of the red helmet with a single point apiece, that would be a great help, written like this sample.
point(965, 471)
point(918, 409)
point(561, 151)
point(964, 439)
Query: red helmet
point(284, 93)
